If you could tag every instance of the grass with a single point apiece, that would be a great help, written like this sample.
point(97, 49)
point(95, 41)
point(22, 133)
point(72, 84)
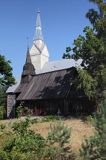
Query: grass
point(79, 129)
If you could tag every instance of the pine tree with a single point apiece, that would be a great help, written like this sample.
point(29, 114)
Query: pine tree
point(94, 148)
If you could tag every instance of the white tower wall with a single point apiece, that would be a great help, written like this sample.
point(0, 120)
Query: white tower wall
point(39, 54)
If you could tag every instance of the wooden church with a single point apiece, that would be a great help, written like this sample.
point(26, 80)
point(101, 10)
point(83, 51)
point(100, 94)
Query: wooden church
point(46, 87)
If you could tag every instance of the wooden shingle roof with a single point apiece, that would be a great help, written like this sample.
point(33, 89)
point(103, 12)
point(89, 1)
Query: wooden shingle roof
point(57, 84)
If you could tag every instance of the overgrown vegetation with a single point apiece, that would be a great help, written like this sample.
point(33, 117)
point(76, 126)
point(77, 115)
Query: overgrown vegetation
point(24, 144)
point(2, 101)
point(94, 148)
point(2, 112)
point(19, 111)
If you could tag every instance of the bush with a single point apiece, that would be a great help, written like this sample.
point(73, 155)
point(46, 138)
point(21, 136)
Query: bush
point(24, 144)
point(58, 142)
point(2, 112)
point(59, 134)
point(19, 111)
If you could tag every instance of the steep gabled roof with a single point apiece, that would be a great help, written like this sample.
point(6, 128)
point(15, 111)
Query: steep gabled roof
point(12, 88)
point(52, 66)
point(51, 85)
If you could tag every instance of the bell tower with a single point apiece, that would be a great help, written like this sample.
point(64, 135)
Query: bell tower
point(28, 69)
point(39, 51)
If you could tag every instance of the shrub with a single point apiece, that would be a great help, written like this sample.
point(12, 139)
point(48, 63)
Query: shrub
point(59, 134)
point(24, 144)
point(19, 111)
point(58, 142)
point(94, 148)
point(2, 112)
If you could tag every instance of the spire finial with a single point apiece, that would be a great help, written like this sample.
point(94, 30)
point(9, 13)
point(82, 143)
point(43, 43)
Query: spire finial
point(28, 58)
point(27, 42)
point(38, 32)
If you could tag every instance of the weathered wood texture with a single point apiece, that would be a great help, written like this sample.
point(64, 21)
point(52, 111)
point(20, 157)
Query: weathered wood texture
point(79, 106)
point(52, 85)
point(52, 93)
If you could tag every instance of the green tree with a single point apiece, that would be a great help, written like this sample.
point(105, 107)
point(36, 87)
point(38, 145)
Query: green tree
point(91, 48)
point(67, 55)
point(6, 77)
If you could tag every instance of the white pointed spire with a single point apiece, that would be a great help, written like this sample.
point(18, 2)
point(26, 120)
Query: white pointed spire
point(38, 32)
point(39, 51)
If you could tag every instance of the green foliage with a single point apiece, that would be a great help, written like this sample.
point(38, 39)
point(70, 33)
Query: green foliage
point(24, 144)
point(2, 112)
point(50, 118)
point(59, 134)
point(21, 127)
point(91, 48)
point(58, 140)
point(2, 95)
point(2, 101)
point(86, 82)
point(90, 119)
point(35, 120)
point(94, 148)
point(6, 77)
point(67, 55)
point(19, 111)
point(2, 127)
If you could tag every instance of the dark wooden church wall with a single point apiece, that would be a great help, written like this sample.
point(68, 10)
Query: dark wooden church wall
point(81, 106)
point(70, 106)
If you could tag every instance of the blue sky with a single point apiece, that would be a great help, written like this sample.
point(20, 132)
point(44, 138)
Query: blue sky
point(62, 22)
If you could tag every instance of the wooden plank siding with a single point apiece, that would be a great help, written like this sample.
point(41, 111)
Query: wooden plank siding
point(49, 92)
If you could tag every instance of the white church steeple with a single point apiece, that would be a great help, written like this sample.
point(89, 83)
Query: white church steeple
point(38, 32)
point(39, 52)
